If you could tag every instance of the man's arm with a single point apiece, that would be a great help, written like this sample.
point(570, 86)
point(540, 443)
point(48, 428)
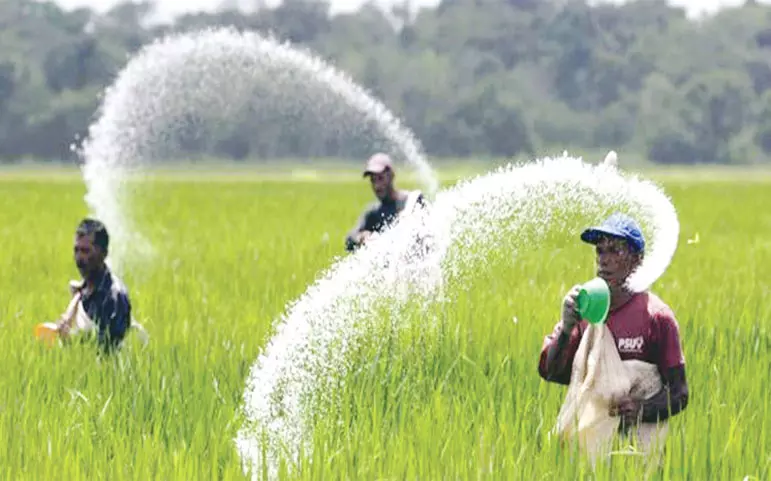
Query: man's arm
point(559, 348)
point(673, 397)
point(68, 316)
point(671, 400)
point(352, 239)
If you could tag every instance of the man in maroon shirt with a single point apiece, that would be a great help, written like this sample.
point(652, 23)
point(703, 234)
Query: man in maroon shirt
point(643, 326)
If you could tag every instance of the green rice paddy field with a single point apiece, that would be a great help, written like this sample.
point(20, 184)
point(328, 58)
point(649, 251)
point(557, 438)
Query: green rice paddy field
point(464, 403)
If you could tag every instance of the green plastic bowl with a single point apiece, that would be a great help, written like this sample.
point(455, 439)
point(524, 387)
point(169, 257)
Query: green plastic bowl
point(594, 301)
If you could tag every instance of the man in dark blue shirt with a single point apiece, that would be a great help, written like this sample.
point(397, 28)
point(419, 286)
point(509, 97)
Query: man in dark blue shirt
point(391, 203)
point(103, 296)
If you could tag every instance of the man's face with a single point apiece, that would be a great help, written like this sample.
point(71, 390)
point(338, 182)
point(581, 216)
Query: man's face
point(88, 256)
point(615, 260)
point(381, 183)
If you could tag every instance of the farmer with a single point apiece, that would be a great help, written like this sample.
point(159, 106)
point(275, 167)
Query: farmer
point(379, 215)
point(643, 326)
point(103, 297)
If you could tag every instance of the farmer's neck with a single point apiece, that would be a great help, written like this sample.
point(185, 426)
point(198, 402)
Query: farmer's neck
point(619, 295)
point(392, 195)
point(95, 276)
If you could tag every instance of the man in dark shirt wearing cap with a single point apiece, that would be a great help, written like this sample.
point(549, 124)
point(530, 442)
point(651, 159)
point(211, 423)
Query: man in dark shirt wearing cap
point(391, 203)
point(643, 326)
point(103, 296)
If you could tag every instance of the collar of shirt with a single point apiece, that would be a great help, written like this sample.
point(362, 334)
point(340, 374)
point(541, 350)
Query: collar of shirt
point(101, 285)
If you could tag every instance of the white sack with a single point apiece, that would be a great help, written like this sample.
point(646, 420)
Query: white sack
point(599, 377)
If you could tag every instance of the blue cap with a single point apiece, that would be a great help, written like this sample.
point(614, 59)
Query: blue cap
point(617, 225)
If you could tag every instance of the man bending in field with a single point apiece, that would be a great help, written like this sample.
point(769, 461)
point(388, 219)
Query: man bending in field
point(643, 326)
point(101, 296)
point(391, 203)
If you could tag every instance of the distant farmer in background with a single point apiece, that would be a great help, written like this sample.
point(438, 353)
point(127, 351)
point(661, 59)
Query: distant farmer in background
point(379, 215)
point(643, 326)
point(100, 300)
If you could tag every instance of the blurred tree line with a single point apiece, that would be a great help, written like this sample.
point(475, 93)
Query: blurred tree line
point(469, 77)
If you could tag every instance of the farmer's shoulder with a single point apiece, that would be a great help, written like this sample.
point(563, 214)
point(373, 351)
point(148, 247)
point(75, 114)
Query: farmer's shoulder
point(658, 310)
point(117, 287)
point(373, 208)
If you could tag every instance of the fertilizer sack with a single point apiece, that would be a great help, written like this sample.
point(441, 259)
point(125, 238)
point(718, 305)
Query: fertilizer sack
point(599, 377)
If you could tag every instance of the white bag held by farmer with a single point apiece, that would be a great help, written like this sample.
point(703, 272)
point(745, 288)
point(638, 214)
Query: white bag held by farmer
point(598, 378)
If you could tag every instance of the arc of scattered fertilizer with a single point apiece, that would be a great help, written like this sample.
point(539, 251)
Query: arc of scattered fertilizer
point(611, 159)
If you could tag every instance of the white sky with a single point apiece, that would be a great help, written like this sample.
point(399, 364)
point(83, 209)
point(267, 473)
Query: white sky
point(170, 8)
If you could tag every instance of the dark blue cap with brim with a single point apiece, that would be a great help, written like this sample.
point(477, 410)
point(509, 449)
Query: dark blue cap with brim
point(620, 226)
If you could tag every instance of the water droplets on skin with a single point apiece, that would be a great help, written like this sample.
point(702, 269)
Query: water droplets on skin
point(293, 376)
point(190, 88)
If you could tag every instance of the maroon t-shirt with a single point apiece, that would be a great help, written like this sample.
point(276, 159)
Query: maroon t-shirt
point(644, 328)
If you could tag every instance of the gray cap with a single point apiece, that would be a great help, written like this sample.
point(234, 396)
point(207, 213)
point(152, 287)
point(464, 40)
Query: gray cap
point(377, 164)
